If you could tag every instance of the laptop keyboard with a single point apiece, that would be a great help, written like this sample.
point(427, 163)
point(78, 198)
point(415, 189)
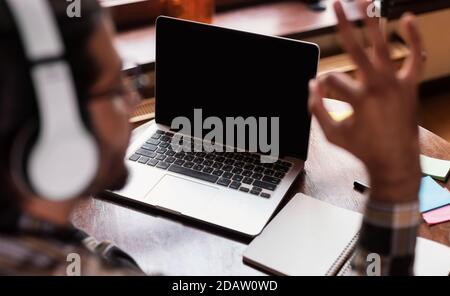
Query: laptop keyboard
point(236, 170)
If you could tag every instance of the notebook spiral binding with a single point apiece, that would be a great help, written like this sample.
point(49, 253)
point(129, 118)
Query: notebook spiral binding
point(342, 262)
point(345, 270)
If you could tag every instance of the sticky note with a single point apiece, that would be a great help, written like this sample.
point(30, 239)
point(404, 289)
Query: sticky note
point(436, 168)
point(432, 196)
point(437, 216)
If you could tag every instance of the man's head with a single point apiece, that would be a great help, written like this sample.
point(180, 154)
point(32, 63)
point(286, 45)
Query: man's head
point(104, 99)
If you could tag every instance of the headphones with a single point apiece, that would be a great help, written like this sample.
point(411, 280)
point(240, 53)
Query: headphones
point(63, 161)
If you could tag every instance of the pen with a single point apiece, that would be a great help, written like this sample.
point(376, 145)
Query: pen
point(360, 187)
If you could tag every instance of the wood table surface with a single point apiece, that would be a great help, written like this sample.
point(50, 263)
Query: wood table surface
point(162, 243)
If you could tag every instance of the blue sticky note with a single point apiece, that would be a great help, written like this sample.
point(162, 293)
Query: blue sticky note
point(431, 195)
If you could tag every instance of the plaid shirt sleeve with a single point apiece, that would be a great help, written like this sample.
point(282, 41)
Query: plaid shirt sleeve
point(388, 235)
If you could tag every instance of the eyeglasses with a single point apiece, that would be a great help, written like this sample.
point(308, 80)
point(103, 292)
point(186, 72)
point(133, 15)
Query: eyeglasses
point(130, 88)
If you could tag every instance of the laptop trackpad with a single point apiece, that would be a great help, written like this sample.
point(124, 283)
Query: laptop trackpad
point(181, 195)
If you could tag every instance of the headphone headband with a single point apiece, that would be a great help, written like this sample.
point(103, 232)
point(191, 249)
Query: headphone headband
point(38, 28)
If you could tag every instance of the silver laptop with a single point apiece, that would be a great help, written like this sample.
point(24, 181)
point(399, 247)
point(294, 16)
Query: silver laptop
point(210, 77)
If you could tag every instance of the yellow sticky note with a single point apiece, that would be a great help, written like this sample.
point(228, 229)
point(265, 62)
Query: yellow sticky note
point(437, 168)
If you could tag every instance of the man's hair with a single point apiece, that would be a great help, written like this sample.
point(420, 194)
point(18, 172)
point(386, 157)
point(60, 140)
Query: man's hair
point(17, 100)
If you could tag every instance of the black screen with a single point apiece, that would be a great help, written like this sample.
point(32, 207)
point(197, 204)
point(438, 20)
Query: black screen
point(228, 73)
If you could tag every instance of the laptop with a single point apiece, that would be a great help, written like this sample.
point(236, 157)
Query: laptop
point(207, 76)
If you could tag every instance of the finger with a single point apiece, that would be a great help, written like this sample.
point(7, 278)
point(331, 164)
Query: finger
point(346, 88)
point(376, 38)
point(317, 108)
point(413, 66)
point(350, 44)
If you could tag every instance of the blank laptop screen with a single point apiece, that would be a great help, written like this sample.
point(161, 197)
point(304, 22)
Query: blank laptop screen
point(228, 73)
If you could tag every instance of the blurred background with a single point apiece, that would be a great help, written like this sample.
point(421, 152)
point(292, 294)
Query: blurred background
point(308, 20)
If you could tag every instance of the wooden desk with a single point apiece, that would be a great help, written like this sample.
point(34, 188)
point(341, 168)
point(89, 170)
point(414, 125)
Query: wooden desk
point(176, 246)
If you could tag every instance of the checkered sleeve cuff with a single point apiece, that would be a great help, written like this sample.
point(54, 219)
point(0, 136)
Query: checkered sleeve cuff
point(389, 230)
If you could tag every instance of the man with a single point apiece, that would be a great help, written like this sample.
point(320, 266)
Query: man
point(382, 133)
point(36, 236)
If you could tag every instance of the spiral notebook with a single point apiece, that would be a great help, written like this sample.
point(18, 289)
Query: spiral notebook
point(308, 237)
point(311, 237)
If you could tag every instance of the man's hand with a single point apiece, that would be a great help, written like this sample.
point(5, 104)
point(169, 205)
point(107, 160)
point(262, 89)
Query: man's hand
point(383, 130)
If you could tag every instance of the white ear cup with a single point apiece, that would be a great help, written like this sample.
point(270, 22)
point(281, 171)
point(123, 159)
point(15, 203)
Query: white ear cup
point(61, 168)
point(64, 159)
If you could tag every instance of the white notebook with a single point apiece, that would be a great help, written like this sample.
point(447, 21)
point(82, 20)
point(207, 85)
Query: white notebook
point(311, 237)
point(308, 237)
